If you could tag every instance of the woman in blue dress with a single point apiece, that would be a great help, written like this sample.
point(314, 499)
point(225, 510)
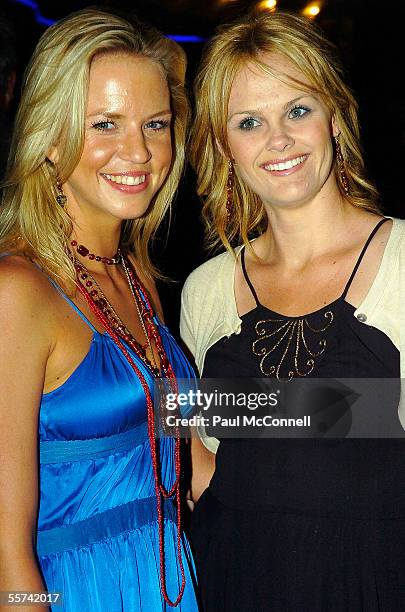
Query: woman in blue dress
point(90, 498)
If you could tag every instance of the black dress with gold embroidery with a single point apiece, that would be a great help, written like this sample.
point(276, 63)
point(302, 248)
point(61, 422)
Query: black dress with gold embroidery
point(305, 525)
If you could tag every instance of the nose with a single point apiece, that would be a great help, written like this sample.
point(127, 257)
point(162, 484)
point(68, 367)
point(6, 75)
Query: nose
point(134, 148)
point(279, 139)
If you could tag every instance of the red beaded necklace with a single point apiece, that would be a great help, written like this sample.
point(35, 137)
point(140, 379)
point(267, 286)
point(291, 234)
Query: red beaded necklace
point(84, 252)
point(166, 371)
point(98, 296)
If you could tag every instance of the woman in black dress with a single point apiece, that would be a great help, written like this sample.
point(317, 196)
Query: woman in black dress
point(315, 524)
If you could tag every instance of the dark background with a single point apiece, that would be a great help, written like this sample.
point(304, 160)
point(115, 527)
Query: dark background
point(370, 36)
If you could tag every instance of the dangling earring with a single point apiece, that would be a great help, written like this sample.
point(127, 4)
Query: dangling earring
point(229, 191)
point(341, 167)
point(60, 198)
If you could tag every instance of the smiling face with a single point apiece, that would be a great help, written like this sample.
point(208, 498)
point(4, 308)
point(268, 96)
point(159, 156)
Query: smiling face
point(280, 136)
point(127, 147)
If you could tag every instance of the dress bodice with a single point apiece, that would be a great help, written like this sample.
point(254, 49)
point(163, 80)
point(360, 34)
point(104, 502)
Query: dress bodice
point(102, 398)
point(320, 473)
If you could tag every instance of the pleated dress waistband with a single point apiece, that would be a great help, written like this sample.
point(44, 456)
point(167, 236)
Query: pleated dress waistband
point(111, 522)
point(58, 451)
point(102, 526)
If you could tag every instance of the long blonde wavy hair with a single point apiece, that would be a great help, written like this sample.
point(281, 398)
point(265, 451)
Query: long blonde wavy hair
point(233, 47)
point(52, 111)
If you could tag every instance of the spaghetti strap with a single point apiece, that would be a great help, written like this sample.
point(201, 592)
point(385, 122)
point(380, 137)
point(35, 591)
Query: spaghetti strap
point(72, 304)
point(359, 260)
point(61, 293)
point(252, 289)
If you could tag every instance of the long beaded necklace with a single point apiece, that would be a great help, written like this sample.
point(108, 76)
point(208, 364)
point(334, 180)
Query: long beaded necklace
point(103, 302)
point(140, 312)
point(118, 335)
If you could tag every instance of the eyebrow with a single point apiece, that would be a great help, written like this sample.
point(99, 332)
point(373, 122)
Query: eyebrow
point(110, 115)
point(257, 111)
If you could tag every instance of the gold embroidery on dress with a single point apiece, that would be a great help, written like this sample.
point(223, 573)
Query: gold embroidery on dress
point(290, 332)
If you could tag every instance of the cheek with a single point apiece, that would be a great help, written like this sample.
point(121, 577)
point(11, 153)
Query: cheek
point(235, 146)
point(96, 154)
point(321, 134)
point(243, 151)
point(250, 179)
point(100, 154)
point(163, 153)
point(327, 144)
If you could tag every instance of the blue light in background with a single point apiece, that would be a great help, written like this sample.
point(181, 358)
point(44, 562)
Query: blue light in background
point(44, 21)
point(185, 38)
point(29, 3)
point(34, 6)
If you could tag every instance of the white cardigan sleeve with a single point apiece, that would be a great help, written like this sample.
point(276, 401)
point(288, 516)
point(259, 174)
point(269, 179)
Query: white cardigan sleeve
point(186, 326)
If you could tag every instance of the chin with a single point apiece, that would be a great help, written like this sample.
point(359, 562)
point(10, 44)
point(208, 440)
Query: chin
point(290, 198)
point(288, 203)
point(128, 211)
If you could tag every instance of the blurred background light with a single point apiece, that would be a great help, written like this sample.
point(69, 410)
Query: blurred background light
point(312, 10)
point(186, 38)
point(267, 5)
point(181, 38)
point(38, 17)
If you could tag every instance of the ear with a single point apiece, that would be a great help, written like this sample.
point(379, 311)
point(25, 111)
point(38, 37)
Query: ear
point(53, 155)
point(335, 126)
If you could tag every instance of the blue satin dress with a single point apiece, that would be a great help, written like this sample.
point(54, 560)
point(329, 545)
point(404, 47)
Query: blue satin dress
point(97, 539)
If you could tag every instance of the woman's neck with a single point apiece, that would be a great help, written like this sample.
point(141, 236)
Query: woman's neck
point(297, 236)
point(101, 238)
point(100, 242)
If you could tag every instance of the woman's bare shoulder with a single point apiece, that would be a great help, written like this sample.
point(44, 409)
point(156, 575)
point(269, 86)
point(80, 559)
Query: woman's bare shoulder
point(20, 270)
point(25, 291)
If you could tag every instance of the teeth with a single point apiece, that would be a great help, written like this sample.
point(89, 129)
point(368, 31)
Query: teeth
point(287, 164)
point(124, 179)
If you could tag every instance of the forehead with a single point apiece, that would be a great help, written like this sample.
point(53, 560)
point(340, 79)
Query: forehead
point(254, 86)
point(119, 78)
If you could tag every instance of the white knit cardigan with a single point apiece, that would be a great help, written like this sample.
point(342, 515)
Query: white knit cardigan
point(209, 310)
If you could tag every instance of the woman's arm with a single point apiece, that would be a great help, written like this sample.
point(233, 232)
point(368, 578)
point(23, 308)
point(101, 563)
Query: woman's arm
point(203, 461)
point(203, 467)
point(24, 349)
point(186, 326)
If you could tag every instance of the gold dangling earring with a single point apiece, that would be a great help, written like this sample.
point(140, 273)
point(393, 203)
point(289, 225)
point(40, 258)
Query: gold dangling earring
point(229, 191)
point(341, 167)
point(60, 198)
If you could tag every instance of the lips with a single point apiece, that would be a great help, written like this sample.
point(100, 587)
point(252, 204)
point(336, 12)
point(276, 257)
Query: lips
point(285, 166)
point(128, 182)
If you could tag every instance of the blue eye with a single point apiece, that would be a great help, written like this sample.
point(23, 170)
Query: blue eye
point(158, 124)
point(248, 124)
point(104, 126)
point(298, 111)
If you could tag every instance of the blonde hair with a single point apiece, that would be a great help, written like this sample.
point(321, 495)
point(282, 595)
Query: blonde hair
point(233, 47)
point(52, 111)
